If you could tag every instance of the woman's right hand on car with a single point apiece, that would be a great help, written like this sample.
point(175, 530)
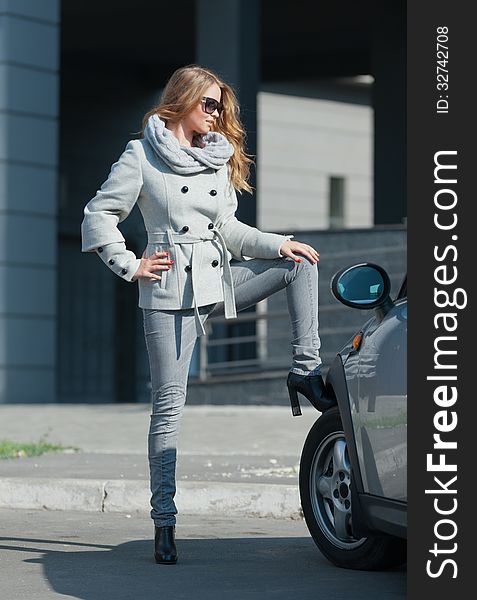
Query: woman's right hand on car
point(159, 261)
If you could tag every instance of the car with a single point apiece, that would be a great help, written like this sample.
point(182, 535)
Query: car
point(353, 465)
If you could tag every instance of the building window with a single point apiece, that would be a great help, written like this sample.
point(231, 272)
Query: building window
point(336, 202)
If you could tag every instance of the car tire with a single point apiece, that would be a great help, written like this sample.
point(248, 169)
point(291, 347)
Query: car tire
point(324, 480)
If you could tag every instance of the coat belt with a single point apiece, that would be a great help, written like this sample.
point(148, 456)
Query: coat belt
point(170, 237)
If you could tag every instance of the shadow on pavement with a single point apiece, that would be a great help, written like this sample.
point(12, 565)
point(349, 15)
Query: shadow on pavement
point(232, 568)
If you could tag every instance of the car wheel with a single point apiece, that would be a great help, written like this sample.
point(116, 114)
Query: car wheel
point(325, 477)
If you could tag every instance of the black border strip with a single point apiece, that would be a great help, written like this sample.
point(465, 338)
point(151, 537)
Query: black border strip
point(440, 120)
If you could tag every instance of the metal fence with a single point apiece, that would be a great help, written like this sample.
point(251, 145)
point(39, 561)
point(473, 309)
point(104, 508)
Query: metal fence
point(269, 337)
point(102, 354)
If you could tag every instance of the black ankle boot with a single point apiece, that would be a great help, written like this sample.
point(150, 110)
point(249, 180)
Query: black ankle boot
point(312, 387)
point(165, 545)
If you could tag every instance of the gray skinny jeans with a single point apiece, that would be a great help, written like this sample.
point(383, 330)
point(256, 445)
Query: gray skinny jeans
point(170, 339)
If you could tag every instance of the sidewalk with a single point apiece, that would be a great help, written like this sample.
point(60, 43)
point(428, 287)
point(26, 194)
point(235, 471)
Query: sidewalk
point(232, 460)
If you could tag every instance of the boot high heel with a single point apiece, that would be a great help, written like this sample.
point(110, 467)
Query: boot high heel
point(165, 551)
point(310, 386)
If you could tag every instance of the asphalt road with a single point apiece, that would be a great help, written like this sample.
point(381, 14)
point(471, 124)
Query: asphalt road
point(101, 556)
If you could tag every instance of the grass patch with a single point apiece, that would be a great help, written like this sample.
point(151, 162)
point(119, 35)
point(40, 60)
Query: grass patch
point(10, 449)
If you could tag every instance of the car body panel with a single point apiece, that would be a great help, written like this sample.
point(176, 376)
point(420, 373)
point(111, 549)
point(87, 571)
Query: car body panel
point(376, 378)
point(371, 514)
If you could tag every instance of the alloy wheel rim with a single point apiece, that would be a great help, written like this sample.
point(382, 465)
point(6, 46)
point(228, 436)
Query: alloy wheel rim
point(330, 479)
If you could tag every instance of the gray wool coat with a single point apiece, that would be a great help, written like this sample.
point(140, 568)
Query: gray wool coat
point(192, 216)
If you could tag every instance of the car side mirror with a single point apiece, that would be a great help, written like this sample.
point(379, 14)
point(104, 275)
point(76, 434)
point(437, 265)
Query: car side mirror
point(363, 286)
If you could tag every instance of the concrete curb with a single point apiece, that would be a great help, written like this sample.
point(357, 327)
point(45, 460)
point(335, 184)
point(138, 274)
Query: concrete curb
point(192, 497)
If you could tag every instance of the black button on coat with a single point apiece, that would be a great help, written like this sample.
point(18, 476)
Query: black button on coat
point(141, 176)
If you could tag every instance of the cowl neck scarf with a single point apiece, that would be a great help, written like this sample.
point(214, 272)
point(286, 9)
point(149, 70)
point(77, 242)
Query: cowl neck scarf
point(213, 149)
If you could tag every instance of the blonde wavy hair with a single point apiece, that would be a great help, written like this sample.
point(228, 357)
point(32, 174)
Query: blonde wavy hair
point(182, 93)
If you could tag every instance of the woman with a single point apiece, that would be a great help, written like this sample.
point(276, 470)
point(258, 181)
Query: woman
point(184, 173)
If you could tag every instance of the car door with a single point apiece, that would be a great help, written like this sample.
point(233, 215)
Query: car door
point(380, 415)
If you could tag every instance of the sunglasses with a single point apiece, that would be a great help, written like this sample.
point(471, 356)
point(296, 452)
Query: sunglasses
point(211, 104)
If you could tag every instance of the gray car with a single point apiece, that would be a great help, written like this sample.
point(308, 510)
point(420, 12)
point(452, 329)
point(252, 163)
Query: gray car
point(353, 468)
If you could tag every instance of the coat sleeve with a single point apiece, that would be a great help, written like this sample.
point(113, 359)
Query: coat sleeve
point(111, 205)
point(241, 239)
